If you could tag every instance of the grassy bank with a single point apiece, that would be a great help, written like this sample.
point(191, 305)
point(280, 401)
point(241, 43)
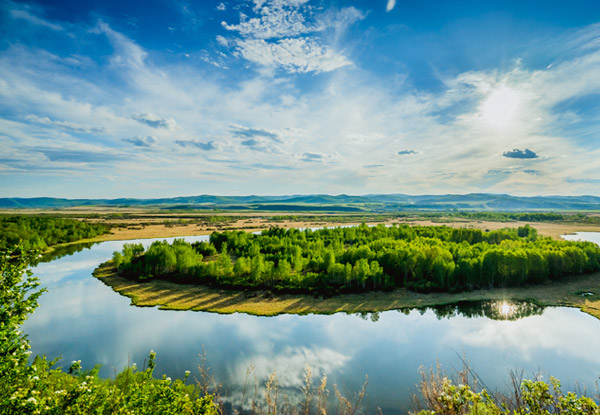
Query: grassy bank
point(172, 296)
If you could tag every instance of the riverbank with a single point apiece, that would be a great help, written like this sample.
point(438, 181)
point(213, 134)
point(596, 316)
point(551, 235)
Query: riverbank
point(171, 296)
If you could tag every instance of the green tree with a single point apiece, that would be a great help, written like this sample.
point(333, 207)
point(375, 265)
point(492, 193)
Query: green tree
point(19, 296)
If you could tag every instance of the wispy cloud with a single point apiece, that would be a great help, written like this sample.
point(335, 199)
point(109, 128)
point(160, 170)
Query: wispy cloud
point(154, 121)
point(312, 157)
point(249, 132)
point(260, 144)
point(588, 181)
point(142, 140)
point(206, 146)
point(293, 55)
point(25, 14)
point(78, 156)
point(373, 126)
point(66, 125)
point(127, 53)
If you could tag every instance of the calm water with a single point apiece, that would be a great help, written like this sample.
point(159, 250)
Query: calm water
point(81, 318)
point(584, 236)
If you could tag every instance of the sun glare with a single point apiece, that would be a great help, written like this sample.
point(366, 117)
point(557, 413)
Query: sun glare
point(500, 107)
point(506, 310)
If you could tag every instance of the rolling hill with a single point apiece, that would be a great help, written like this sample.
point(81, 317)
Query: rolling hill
point(329, 203)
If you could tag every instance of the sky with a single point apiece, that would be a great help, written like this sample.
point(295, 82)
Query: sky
point(162, 98)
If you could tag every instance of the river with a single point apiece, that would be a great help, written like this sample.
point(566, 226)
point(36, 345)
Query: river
point(81, 318)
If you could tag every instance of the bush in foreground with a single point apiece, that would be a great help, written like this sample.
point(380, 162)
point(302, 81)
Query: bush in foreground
point(442, 396)
point(39, 389)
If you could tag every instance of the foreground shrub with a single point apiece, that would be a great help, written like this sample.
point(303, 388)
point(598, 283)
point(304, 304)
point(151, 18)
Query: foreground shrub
point(37, 388)
point(442, 396)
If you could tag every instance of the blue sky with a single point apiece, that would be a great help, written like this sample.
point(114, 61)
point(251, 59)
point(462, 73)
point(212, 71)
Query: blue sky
point(167, 98)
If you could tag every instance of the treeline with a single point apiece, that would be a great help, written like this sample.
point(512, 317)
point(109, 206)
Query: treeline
point(521, 216)
point(39, 232)
point(422, 258)
point(513, 216)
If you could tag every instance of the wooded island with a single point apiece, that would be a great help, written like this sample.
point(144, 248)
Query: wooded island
point(363, 258)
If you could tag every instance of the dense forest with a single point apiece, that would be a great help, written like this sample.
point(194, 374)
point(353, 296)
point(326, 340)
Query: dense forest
point(39, 232)
point(422, 258)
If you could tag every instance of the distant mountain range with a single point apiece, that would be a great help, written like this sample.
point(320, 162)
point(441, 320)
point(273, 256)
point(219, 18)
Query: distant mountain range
point(329, 203)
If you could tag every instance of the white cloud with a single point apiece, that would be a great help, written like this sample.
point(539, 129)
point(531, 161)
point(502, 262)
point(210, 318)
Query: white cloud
point(249, 132)
point(339, 20)
point(202, 145)
point(222, 41)
point(154, 121)
point(390, 5)
point(218, 63)
point(353, 115)
point(276, 19)
point(127, 53)
point(24, 14)
point(294, 55)
point(142, 140)
point(66, 125)
point(314, 157)
point(276, 37)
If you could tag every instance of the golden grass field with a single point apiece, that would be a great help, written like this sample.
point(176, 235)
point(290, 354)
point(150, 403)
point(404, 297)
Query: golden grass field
point(146, 223)
point(136, 230)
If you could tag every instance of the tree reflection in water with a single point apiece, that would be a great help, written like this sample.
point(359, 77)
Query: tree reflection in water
point(495, 310)
point(492, 309)
point(62, 251)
